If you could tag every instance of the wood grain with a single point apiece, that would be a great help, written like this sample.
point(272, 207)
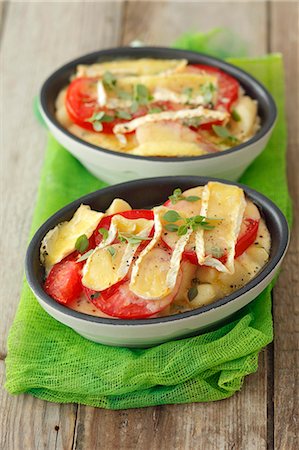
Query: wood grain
point(236, 423)
point(37, 39)
point(29, 423)
point(284, 38)
point(40, 37)
point(161, 22)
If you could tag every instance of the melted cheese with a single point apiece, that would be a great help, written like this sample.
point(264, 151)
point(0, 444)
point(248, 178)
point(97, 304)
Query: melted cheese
point(60, 241)
point(109, 263)
point(143, 66)
point(182, 114)
point(155, 273)
point(225, 202)
point(118, 205)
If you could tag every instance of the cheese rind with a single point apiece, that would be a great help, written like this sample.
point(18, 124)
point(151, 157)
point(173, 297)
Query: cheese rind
point(155, 273)
point(227, 203)
point(181, 114)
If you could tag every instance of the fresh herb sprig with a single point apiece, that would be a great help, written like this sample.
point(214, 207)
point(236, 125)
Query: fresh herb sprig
point(109, 81)
point(235, 115)
point(194, 223)
point(104, 232)
point(207, 90)
point(132, 239)
point(98, 118)
point(81, 244)
point(112, 251)
point(177, 196)
point(224, 133)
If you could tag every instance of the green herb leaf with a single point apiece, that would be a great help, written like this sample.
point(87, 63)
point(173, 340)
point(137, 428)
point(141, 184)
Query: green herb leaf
point(109, 80)
point(132, 239)
point(97, 115)
point(124, 115)
point(155, 110)
point(171, 216)
point(188, 92)
point(192, 293)
point(142, 94)
point(235, 115)
point(176, 196)
point(84, 256)
point(224, 133)
point(207, 226)
point(192, 198)
point(134, 106)
point(82, 243)
point(183, 230)
point(97, 126)
point(207, 90)
point(104, 232)
point(97, 118)
point(221, 131)
point(112, 251)
point(124, 95)
point(171, 227)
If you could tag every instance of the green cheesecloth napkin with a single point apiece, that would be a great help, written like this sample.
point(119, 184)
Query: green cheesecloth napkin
point(52, 362)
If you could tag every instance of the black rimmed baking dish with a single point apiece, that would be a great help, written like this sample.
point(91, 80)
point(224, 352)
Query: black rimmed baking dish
point(113, 166)
point(145, 194)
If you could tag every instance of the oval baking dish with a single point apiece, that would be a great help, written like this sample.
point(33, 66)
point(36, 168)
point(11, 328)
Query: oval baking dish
point(113, 166)
point(145, 332)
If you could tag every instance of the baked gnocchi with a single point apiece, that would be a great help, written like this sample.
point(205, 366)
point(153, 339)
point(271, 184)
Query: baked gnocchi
point(199, 246)
point(154, 107)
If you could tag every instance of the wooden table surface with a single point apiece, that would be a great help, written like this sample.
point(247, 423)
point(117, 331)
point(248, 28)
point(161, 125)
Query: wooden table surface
point(35, 39)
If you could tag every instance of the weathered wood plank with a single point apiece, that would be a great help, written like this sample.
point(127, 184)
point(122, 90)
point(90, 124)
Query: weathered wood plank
point(37, 39)
point(29, 423)
point(284, 38)
point(161, 22)
point(236, 423)
point(241, 421)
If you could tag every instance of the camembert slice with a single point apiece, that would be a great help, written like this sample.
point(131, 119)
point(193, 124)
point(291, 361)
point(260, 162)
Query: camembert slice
point(60, 241)
point(155, 273)
point(227, 203)
point(109, 263)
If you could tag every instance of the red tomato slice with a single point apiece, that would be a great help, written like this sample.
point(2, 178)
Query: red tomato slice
point(63, 282)
point(81, 104)
point(248, 237)
point(228, 86)
point(132, 214)
point(118, 301)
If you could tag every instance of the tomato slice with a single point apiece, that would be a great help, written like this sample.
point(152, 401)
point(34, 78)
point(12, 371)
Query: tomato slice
point(81, 103)
point(228, 86)
point(246, 239)
point(63, 282)
point(131, 214)
point(118, 301)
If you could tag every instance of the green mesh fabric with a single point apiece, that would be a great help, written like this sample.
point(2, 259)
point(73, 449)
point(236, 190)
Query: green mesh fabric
point(52, 362)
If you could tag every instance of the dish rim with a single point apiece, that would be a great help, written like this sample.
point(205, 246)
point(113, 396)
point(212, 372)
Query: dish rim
point(259, 199)
point(235, 71)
